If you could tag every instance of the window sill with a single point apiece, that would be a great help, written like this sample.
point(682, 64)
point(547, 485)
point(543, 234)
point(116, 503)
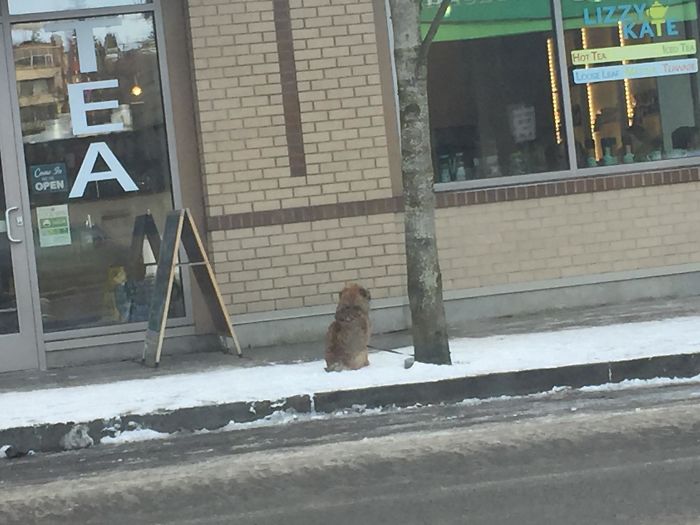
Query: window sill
point(581, 184)
point(578, 173)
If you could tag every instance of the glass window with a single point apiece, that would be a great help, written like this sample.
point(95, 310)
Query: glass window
point(634, 88)
point(494, 90)
point(97, 158)
point(20, 7)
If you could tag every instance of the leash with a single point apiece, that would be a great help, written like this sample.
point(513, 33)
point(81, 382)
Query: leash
point(408, 361)
point(385, 350)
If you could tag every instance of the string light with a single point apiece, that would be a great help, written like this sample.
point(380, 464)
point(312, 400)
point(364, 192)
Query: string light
point(628, 91)
point(555, 89)
point(589, 96)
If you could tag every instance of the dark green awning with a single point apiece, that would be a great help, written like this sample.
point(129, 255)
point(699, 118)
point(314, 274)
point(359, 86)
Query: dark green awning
point(479, 20)
point(466, 20)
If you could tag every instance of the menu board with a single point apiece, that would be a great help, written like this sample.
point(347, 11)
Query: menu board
point(522, 123)
point(636, 24)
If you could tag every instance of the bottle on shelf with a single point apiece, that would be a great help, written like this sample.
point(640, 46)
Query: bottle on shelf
point(460, 170)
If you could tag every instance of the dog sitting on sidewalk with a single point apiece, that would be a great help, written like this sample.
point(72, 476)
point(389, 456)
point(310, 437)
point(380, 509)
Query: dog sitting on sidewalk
point(348, 335)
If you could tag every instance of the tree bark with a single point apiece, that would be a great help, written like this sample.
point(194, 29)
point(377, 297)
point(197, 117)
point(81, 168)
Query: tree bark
point(429, 326)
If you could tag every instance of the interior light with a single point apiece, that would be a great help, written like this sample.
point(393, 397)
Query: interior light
point(589, 96)
point(629, 103)
point(554, 86)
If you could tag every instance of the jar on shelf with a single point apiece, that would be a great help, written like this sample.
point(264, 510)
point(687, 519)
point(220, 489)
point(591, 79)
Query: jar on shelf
point(444, 169)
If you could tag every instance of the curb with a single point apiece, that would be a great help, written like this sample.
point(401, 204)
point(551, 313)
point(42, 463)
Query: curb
point(52, 437)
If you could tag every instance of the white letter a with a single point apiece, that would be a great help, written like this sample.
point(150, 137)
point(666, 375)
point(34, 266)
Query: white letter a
point(86, 175)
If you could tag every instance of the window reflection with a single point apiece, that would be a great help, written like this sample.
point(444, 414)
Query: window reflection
point(88, 275)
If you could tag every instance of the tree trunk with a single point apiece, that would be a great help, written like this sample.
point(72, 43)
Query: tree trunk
point(429, 326)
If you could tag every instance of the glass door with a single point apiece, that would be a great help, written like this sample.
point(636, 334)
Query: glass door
point(96, 157)
point(18, 343)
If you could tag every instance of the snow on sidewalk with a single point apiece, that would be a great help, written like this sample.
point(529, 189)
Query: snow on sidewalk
point(471, 357)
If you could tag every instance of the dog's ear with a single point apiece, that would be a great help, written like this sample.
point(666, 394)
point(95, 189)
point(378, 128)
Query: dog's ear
point(365, 293)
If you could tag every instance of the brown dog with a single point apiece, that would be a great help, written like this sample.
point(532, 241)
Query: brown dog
point(348, 335)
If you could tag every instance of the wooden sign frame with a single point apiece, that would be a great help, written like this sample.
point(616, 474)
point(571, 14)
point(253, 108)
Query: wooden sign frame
point(180, 230)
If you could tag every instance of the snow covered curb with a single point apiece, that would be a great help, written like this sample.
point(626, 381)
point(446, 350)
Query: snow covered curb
point(472, 358)
point(509, 365)
point(282, 417)
point(51, 437)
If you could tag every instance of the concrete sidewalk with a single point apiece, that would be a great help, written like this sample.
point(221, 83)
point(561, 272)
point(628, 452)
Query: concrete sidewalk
point(51, 437)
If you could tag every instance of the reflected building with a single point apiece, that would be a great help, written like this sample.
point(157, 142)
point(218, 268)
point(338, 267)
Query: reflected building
point(41, 82)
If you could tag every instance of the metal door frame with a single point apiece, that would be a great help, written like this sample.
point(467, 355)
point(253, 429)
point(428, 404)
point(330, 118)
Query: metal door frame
point(24, 346)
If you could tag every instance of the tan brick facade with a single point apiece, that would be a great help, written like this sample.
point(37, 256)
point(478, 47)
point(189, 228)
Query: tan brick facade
point(302, 255)
point(575, 235)
point(245, 155)
point(239, 94)
point(305, 264)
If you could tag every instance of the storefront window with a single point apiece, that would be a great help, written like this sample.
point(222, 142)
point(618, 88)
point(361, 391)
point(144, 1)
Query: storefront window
point(496, 104)
point(494, 90)
point(633, 76)
point(20, 7)
point(97, 158)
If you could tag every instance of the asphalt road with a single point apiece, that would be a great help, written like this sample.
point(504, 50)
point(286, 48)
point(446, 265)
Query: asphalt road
point(568, 458)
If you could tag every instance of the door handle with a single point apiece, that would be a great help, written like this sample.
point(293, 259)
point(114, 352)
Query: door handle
point(9, 226)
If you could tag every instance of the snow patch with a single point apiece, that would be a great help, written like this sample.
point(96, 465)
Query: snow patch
point(641, 383)
point(474, 401)
point(286, 417)
point(134, 436)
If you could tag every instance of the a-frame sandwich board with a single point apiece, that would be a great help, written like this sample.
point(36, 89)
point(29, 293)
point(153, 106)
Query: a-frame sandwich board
point(180, 230)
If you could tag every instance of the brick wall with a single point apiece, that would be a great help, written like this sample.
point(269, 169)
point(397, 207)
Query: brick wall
point(341, 101)
point(320, 109)
point(520, 241)
point(568, 236)
point(239, 97)
point(305, 264)
point(297, 184)
point(239, 91)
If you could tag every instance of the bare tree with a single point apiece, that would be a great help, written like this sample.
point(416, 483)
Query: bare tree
point(429, 326)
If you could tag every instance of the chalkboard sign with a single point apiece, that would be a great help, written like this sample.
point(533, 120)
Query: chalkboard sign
point(145, 229)
point(180, 230)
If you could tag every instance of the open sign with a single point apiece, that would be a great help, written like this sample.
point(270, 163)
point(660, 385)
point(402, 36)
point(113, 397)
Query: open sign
point(49, 178)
